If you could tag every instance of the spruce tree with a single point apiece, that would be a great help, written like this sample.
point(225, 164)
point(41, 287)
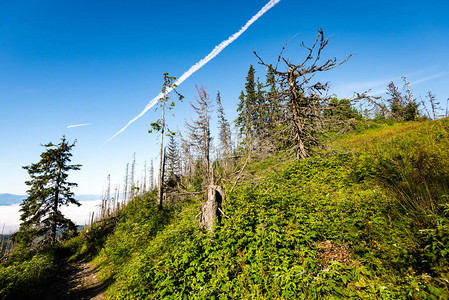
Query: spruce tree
point(247, 108)
point(224, 128)
point(49, 190)
point(274, 101)
point(172, 160)
point(242, 122)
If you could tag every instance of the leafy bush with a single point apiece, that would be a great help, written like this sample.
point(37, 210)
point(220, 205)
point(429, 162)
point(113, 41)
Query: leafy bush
point(27, 279)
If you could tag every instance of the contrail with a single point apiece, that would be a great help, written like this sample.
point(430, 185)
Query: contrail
point(202, 62)
point(79, 125)
point(429, 78)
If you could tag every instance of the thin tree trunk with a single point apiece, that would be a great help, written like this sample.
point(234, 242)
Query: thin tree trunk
point(126, 184)
point(162, 155)
point(161, 192)
point(55, 207)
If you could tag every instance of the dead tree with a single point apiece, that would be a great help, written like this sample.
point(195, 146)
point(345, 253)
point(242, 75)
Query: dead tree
point(211, 210)
point(185, 157)
point(435, 105)
point(151, 183)
point(304, 98)
point(125, 195)
point(199, 130)
point(133, 171)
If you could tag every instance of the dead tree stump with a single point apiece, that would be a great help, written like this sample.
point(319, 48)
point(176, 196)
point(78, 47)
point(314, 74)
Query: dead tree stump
point(210, 213)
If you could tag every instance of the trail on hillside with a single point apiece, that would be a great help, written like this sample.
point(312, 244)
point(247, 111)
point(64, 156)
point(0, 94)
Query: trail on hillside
point(78, 281)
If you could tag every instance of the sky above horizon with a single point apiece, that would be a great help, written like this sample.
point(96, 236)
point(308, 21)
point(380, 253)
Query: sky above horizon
point(98, 64)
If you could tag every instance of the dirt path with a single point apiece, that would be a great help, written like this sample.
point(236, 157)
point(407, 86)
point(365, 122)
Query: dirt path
point(78, 281)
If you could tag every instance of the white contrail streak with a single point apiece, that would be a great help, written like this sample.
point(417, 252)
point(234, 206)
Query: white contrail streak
point(79, 125)
point(434, 76)
point(202, 62)
point(429, 78)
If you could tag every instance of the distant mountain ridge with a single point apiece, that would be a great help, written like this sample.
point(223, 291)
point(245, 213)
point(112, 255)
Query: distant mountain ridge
point(10, 199)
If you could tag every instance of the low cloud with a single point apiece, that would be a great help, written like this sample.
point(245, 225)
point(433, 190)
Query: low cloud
point(10, 214)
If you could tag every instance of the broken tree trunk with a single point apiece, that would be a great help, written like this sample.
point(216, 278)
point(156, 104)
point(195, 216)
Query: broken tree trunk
point(210, 213)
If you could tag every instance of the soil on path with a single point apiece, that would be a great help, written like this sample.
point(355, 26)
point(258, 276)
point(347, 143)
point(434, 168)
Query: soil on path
point(78, 281)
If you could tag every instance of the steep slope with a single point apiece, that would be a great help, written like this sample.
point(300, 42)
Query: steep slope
point(366, 218)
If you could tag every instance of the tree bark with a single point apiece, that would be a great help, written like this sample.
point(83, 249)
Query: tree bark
point(55, 208)
point(210, 214)
point(161, 162)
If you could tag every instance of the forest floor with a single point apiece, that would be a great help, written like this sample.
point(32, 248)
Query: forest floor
point(78, 281)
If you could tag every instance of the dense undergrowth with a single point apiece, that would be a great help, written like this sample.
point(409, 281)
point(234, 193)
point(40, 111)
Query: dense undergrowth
point(366, 218)
point(27, 277)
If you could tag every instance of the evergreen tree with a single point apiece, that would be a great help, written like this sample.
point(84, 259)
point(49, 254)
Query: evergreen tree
point(49, 190)
point(402, 107)
point(274, 110)
point(247, 108)
point(172, 160)
point(251, 97)
point(224, 128)
point(274, 101)
point(242, 122)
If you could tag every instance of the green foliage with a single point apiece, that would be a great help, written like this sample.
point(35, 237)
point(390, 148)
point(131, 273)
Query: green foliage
point(29, 278)
point(49, 189)
point(340, 224)
point(90, 241)
point(325, 227)
point(342, 109)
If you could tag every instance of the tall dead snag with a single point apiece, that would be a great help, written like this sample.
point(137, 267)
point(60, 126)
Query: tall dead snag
point(159, 125)
point(211, 211)
point(151, 183)
point(199, 130)
point(304, 99)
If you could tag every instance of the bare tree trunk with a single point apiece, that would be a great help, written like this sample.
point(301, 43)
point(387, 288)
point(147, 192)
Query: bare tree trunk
point(161, 180)
point(55, 208)
point(144, 187)
point(210, 213)
point(126, 184)
point(162, 154)
point(133, 171)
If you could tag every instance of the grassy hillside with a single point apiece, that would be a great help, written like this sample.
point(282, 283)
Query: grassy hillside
point(368, 217)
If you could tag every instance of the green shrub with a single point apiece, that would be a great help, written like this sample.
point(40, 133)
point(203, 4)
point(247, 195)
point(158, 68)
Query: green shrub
point(27, 279)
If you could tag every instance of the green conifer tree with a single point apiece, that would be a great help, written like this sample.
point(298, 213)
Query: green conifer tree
point(172, 161)
point(247, 108)
point(224, 129)
point(49, 190)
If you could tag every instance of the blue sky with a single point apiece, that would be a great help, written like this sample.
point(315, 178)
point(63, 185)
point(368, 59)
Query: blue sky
point(100, 62)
